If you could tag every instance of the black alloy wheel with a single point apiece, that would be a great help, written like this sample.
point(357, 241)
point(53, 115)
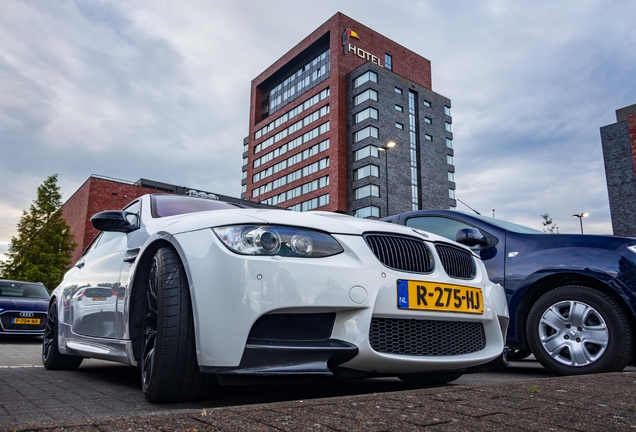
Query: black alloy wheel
point(52, 359)
point(574, 330)
point(169, 367)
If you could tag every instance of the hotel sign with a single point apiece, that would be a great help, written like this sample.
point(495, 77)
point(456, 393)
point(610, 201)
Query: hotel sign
point(347, 46)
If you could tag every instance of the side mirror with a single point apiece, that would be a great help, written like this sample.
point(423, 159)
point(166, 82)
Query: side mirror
point(114, 220)
point(471, 237)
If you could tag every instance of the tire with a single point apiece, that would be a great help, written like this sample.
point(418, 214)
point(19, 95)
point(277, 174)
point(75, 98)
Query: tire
point(52, 359)
point(574, 330)
point(429, 379)
point(518, 354)
point(169, 368)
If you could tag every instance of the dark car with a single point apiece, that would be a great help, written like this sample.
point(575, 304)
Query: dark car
point(23, 307)
point(572, 297)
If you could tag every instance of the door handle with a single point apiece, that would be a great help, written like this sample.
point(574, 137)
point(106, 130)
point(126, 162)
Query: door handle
point(80, 264)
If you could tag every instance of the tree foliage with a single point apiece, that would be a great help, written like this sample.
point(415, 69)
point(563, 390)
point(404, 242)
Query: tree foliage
point(548, 224)
point(41, 251)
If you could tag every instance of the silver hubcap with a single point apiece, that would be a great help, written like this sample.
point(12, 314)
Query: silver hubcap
point(573, 333)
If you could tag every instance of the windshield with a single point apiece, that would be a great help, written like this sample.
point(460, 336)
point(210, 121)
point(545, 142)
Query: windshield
point(23, 290)
point(170, 205)
point(510, 226)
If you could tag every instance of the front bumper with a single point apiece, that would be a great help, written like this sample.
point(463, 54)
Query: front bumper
point(231, 292)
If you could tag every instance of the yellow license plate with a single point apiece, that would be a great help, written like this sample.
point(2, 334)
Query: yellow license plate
point(98, 298)
point(439, 297)
point(35, 321)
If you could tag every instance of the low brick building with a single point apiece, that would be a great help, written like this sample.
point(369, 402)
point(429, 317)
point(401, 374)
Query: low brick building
point(99, 193)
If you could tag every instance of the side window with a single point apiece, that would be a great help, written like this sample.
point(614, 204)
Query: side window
point(133, 208)
point(438, 225)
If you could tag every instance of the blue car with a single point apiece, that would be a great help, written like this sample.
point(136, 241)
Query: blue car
point(23, 307)
point(572, 298)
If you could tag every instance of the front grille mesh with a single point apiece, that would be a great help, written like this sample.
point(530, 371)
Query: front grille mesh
point(401, 253)
point(426, 338)
point(458, 263)
point(7, 324)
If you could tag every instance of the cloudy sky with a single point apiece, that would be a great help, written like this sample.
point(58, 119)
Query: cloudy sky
point(160, 90)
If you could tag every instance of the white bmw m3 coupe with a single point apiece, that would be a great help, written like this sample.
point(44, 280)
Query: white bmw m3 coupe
point(200, 292)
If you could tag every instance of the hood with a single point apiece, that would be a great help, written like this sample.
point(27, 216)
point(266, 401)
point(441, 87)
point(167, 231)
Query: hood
point(333, 223)
point(23, 304)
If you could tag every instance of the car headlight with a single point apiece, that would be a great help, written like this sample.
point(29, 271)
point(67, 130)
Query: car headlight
point(277, 240)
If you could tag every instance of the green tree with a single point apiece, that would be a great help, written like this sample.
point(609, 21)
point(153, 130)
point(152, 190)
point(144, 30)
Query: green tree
point(41, 251)
point(548, 224)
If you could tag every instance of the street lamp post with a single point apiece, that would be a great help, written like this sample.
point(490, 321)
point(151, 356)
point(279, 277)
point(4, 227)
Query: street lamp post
point(388, 145)
point(581, 216)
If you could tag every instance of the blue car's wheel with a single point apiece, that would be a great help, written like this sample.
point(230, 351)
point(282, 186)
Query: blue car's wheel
point(169, 368)
point(575, 330)
point(51, 356)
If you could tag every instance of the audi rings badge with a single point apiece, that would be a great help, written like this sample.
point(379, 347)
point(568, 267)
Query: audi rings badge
point(27, 314)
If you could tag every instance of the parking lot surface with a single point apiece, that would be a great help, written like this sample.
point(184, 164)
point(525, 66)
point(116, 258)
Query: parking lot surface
point(103, 396)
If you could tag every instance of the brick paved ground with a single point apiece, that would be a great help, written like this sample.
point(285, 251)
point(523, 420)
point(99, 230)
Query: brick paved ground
point(583, 403)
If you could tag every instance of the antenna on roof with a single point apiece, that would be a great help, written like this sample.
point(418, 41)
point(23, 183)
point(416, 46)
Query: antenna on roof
point(468, 206)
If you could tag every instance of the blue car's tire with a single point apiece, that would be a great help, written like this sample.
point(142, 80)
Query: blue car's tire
point(169, 367)
point(52, 359)
point(574, 330)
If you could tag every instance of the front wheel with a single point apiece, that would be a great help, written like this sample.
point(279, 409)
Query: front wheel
point(574, 330)
point(431, 378)
point(169, 368)
point(52, 359)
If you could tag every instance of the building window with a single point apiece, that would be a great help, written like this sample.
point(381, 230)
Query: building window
point(292, 113)
point(369, 131)
point(292, 160)
point(400, 126)
point(306, 137)
point(365, 114)
point(449, 159)
point(369, 94)
point(451, 176)
point(451, 193)
point(447, 110)
point(388, 61)
point(399, 108)
point(428, 137)
point(296, 83)
point(365, 77)
point(291, 177)
point(315, 116)
point(244, 161)
point(365, 212)
point(428, 120)
point(398, 90)
point(365, 191)
point(366, 152)
point(447, 126)
point(449, 143)
point(298, 191)
point(414, 149)
point(366, 171)
point(427, 103)
point(311, 204)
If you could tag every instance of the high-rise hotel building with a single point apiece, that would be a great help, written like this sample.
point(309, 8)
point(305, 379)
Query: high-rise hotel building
point(348, 121)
